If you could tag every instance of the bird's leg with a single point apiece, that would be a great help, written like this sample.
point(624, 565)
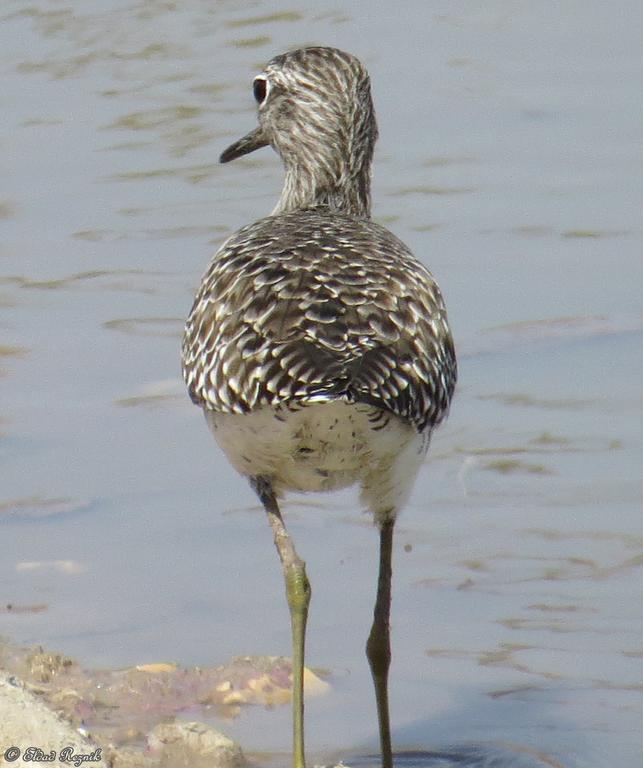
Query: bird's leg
point(378, 646)
point(298, 595)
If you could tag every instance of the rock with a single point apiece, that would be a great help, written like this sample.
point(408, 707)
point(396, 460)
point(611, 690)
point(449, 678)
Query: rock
point(25, 721)
point(193, 745)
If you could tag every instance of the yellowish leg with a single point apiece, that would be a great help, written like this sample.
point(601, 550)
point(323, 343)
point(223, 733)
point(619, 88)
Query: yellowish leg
point(298, 596)
point(378, 646)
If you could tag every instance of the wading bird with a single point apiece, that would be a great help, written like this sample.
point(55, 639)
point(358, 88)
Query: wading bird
point(317, 346)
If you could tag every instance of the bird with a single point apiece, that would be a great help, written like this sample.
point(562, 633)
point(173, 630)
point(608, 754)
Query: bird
point(318, 346)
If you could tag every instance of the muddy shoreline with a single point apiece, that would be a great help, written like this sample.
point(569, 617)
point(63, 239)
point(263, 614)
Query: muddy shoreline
point(131, 718)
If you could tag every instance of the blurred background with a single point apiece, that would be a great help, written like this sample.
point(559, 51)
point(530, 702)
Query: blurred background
point(510, 161)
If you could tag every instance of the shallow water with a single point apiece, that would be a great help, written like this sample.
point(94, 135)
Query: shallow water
point(509, 160)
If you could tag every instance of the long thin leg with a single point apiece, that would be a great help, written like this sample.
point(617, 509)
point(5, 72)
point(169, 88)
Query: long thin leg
point(378, 646)
point(298, 596)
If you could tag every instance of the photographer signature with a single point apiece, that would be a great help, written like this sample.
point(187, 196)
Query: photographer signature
point(38, 755)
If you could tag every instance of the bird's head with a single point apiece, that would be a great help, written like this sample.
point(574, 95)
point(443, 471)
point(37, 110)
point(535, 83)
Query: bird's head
point(315, 109)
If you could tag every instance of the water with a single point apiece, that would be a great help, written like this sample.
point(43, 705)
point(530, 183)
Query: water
point(509, 160)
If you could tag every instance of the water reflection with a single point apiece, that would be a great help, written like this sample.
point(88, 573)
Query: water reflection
point(474, 756)
point(38, 508)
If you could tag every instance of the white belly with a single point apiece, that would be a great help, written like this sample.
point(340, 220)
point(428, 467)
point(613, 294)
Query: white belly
point(323, 447)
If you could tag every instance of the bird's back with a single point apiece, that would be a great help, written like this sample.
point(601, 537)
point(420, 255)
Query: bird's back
point(317, 306)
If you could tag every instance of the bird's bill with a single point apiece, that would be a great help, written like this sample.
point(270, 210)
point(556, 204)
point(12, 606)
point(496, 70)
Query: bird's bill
point(251, 141)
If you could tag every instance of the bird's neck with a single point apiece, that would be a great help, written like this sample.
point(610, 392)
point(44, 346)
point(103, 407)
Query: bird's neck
point(344, 188)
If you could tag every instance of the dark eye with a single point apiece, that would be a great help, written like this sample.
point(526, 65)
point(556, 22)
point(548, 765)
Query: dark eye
point(260, 88)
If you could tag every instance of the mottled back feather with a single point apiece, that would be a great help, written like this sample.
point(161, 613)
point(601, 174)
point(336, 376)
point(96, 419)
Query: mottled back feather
point(314, 305)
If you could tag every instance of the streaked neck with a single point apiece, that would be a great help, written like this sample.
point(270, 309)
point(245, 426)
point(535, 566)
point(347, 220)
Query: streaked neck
point(346, 194)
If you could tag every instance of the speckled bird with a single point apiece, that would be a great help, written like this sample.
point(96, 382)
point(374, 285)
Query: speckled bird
point(318, 347)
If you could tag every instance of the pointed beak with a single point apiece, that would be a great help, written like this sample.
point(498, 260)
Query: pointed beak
point(251, 141)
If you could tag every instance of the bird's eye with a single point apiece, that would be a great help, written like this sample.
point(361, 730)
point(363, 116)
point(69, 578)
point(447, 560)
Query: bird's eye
point(260, 89)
